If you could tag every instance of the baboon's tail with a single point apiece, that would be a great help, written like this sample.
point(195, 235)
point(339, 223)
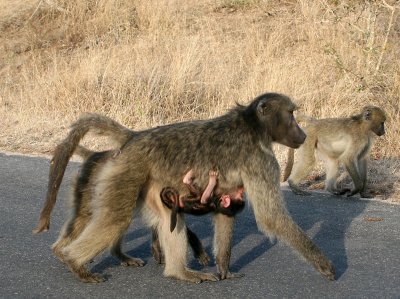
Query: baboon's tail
point(83, 152)
point(289, 164)
point(290, 159)
point(91, 122)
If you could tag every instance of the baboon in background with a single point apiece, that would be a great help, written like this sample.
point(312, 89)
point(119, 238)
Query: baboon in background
point(337, 140)
point(83, 188)
point(239, 144)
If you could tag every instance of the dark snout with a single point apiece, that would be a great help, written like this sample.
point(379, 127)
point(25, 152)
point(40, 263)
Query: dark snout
point(381, 130)
point(299, 137)
point(302, 136)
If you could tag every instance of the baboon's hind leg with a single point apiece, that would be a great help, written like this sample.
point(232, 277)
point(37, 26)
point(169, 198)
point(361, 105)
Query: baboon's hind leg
point(111, 218)
point(81, 215)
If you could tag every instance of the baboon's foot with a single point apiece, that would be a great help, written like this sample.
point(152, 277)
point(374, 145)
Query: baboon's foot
point(203, 259)
point(300, 192)
point(84, 274)
point(194, 276)
point(297, 190)
point(344, 191)
point(325, 267)
point(230, 275)
point(57, 251)
point(366, 194)
point(130, 261)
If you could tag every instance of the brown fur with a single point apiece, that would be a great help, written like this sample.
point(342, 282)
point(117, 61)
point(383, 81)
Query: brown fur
point(238, 144)
point(337, 140)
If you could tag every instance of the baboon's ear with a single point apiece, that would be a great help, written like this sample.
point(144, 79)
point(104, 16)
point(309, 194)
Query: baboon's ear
point(262, 107)
point(225, 201)
point(367, 113)
point(266, 106)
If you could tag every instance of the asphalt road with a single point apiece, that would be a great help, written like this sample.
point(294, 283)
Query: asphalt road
point(365, 252)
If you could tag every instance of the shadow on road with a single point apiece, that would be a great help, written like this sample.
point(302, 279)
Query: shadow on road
point(325, 219)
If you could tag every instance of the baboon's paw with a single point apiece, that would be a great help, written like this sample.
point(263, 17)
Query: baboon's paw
point(134, 262)
point(326, 268)
point(229, 275)
point(194, 276)
point(92, 278)
point(202, 276)
point(366, 195)
point(57, 252)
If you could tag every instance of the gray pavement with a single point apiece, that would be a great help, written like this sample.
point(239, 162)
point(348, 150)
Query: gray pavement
point(365, 253)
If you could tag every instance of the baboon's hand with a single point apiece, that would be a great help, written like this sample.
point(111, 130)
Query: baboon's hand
point(229, 275)
point(326, 268)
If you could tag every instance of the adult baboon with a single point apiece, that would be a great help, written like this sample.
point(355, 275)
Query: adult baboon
point(337, 140)
point(238, 144)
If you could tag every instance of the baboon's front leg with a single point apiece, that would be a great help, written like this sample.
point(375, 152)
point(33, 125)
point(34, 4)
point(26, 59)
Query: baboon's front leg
point(222, 245)
point(125, 259)
point(358, 183)
point(273, 219)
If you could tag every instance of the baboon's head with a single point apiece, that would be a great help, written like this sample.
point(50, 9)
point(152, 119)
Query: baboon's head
point(275, 115)
point(376, 118)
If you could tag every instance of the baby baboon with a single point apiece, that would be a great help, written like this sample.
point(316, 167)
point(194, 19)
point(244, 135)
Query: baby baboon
point(337, 140)
point(227, 204)
point(238, 143)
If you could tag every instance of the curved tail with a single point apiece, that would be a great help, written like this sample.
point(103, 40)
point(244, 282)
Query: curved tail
point(290, 157)
point(98, 124)
point(289, 164)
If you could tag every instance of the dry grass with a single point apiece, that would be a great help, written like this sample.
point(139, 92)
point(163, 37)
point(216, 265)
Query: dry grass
point(150, 62)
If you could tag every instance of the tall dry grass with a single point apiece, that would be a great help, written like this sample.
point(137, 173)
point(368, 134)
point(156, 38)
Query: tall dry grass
point(147, 63)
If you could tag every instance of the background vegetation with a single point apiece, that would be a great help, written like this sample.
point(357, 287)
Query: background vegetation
point(149, 62)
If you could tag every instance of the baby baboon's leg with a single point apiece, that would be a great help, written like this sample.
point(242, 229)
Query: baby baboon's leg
point(125, 259)
point(302, 167)
point(332, 173)
point(198, 249)
point(223, 226)
point(212, 182)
